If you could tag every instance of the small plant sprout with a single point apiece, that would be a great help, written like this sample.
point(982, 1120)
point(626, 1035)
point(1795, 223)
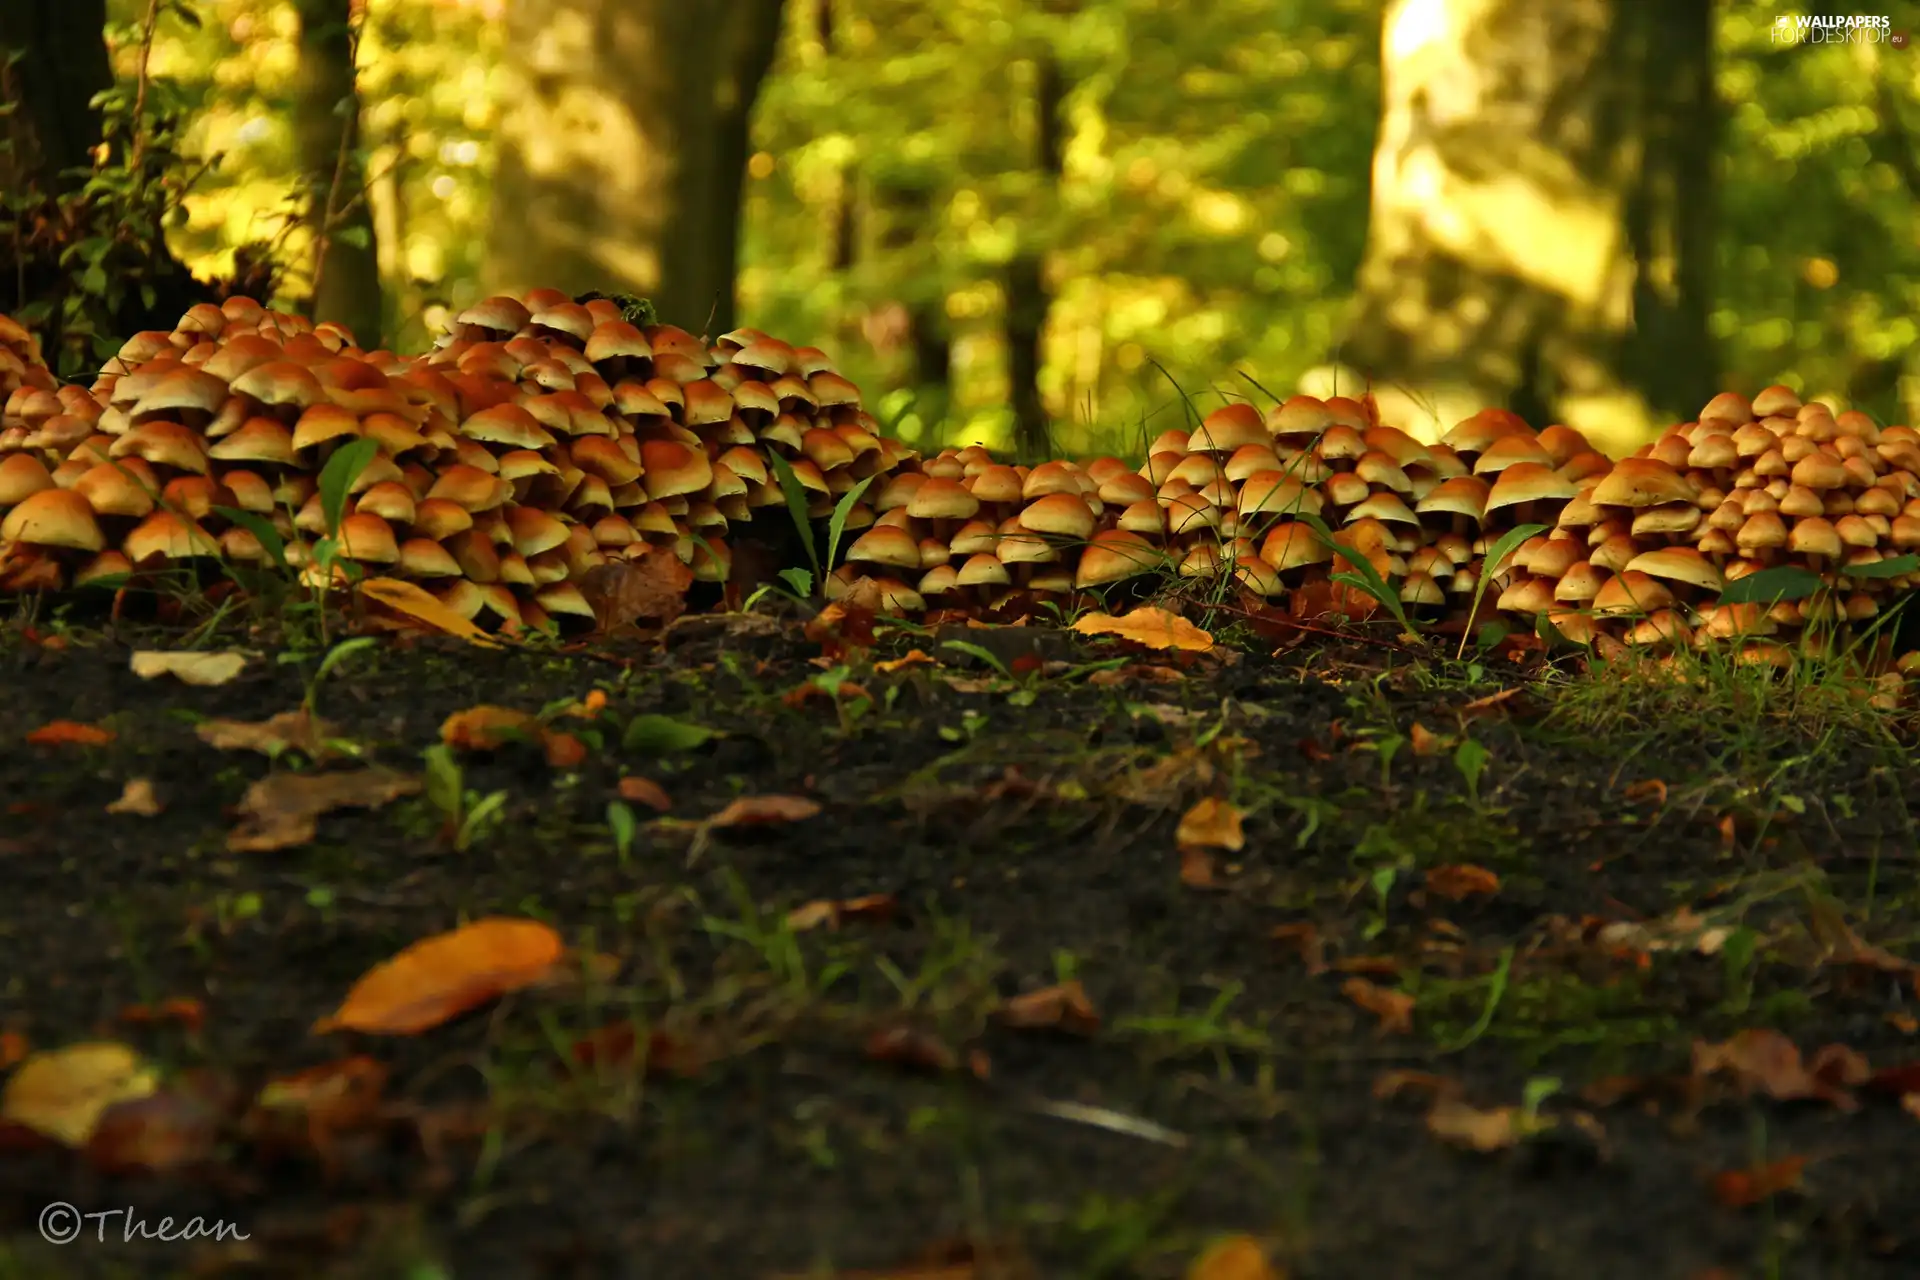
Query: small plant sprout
point(623, 825)
point(1470, 758)
point(466, 816)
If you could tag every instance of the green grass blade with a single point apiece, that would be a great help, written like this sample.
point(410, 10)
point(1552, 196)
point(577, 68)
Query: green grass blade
point(838, 522)
point(261, 528)
point(1770, 586)
point(338, 476)
point(797, 508)
point(1364, 576)
point(1498, 552)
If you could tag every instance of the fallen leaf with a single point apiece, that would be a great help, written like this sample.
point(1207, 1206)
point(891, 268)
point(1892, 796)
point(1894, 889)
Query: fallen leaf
point(1840, 945)
point(1304, 937)
point(441, 977)
point(176, 1127)
point(652, 585)
point(62, 1093)
point(206, 669)
point(13, 1048)
point(1064, 1005)
point(294, 730)
point(137, 798)
point(1213, 823)
point(1424, 741)
point(1401, 1082)
point(1900, 1080)
point(911, 658)
point(617, 1045)
point(420, 605)
point(1488, 705)
point(911, 1047)
point(1461, 880)
point(69, 733)
point(1234, 1258)
point(833, 914)
point(563, 750)
point(1196, 868)
point(644, 791)
point(488, 728)
point(1761, 1060)
point(1148, 626)
point(1489, 1129)
point(839, 628)
point(180, 1011)
point(1393, 1008)
point(282, 809)
point(1738, 1188)
point(1646, 791)
point(749, 811)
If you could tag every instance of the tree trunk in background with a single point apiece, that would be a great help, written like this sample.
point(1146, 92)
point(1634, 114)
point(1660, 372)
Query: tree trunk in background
point(1027, 300)
point(624, 130)
point(326, 114)
point(1542, 214)
point(65, 65)
point(903, 208)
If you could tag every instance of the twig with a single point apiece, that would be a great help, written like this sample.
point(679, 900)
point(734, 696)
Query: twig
point(139, 149)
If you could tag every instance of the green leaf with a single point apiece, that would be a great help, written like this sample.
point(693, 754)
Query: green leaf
point(797, 508)
point(354, 237)
point(985, 655)
point(94, 280)
point(262, 528)
point(1470, 758)
point(799, 580)
point(444, 783)
point(1782, 582)
point(1498, 552)
point(1892, 567)
point(338, 476)
point(657, 735)
point(838, 521)
point(1368, 579)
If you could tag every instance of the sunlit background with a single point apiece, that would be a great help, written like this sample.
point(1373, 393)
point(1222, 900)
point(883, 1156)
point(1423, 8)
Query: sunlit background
point(1209, 219)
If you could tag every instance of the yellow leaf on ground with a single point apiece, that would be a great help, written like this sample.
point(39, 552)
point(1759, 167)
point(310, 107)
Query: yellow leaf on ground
point(138, 799)
point(1146, 625)
point(1234, 1258)
point(421, 606)
point(442, 977)
point(62, 1093)
point(290, 729)
point(1213, 823)
point(192, 668)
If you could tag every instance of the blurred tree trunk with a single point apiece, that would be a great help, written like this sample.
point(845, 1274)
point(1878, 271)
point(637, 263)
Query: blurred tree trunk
point(1543, 212)
point(623, 145)
point(346, 261)
point(904, 208)
point(65, 65)
point(1027, 300)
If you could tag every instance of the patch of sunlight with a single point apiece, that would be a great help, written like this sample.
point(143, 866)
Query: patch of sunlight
point(1220, 212)
point(629, 260)
point(1414, 25)
point(1616, 422)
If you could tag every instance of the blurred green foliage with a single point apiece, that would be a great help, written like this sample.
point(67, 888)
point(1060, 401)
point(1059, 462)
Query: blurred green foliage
point(1210, 216)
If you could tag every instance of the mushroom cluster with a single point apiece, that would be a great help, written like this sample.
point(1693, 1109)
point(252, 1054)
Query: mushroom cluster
point(542, 437)
point(539, 438)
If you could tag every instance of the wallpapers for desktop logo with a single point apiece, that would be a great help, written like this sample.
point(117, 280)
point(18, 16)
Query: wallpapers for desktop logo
point(1856, 28)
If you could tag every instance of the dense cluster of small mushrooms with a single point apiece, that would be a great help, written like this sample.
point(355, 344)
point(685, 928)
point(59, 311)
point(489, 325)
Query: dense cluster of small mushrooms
point(542, 437)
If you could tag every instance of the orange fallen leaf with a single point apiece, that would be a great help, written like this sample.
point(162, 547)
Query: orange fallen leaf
point(911, 658)
point(1148, 626)
point(1196, 868)
point(912, 1047)
point(644, 791)
point(1646, 791)
point(1393, 1008)
point(190, 666)
point(833, 914)
point(1461, 880)
point(750, 811)
point(174, 1128)
point(842, 626)
point(1233, 1258)
point(1489, 704)
point(419, 605)
point(441, 977)
point(1761, 1060)
point(486, 728)
point(563, 750)
point(283, 809)
point(1064, 1005)
point(1738, 1188)
point(652, 585)
point(13, 1048)
point(137, 798)
point(1304, 937)
point(182, 1011)
point(69, 733)
point(1212, 823)
point(1476, 1128)
point(1424, 741)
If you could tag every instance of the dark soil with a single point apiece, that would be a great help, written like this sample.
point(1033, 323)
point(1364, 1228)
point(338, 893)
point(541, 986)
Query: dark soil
point(1027, 830)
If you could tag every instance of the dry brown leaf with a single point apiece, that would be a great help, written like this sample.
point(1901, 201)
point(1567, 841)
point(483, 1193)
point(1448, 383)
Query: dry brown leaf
point(1304, 937)
point(1234, 1258)
point(1423, 1085)
point(563, 750)
point(1064, 1005)
point(1393, 1008)
point(911, 658)
point(206, 669)
point(1646, 791)
point(441, 977)
point(420, 606)
point(1148, 626)
point(1738, 1188)
point(1488, 705)
point(1761, 1060)
point(177, 1127)
point(1461, 880)
point(138, 799)
point(1213, 823)
point(644, 791)
point(652, 586)
point(281, 810)
point(14, 1048)
point(69, 733)
point(62, 1093)
point(1492, 1129)
point(1425, 742)
point(1196, 868)
point(487, 728)
point(842, 626)
point(1840, 945)
point(911, 1047)
point(750, 811)
point(833, 914)
point(294, 730)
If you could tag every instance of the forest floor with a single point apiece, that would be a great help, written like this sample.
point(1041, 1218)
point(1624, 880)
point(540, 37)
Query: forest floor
point(1399, 966)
